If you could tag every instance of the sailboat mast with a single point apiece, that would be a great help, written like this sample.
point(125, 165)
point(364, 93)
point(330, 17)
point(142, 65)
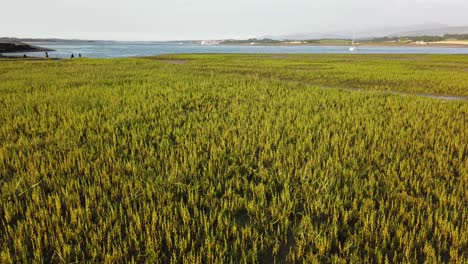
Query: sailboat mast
point(352, 48)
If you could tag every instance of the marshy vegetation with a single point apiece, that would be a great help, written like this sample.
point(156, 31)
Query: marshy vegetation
point(234, 158)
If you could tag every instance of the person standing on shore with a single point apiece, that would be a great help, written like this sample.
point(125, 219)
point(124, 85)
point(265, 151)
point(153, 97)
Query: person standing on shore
point(79, 55)
point(47, 54)
point(72, 56)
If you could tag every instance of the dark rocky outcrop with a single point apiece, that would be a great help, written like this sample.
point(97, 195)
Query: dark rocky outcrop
point(13, 47)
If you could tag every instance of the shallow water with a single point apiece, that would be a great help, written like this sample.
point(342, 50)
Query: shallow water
point(116, 50)
point(445, 97)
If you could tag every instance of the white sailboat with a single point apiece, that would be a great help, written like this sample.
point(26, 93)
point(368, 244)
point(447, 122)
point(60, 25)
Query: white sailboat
point(353, 47)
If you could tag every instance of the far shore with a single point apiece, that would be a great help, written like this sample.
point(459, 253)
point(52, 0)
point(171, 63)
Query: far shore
point(444, 44)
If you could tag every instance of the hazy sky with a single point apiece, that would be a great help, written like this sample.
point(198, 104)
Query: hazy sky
point(210, 19)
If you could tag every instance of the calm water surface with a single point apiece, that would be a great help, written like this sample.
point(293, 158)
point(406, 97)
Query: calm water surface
point(117, 50)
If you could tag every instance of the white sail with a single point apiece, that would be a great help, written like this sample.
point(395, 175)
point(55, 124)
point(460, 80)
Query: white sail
point(352, 48)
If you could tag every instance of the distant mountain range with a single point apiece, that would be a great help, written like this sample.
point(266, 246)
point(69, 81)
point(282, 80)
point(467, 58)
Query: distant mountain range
point(82, 41)
point(50, 40)
point(408, 31)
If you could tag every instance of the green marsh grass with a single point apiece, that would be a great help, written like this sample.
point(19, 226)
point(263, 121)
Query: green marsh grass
point(234, 158)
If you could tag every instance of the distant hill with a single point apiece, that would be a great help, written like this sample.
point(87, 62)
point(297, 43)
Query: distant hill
point(84, 41)
point(433, 32)
point(416, 30)
point(30, 40)
point(369, 34)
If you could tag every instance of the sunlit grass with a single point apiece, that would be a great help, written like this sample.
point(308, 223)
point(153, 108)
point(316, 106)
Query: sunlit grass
point(234, 158)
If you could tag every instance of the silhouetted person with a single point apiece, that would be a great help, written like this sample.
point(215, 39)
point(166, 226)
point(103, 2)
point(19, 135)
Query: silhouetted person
point(24, 56)
point(72, 56)
point(79, 55)
point(47, 54)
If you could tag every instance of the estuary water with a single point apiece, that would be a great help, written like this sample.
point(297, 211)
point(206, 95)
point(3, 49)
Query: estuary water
point(122, 49)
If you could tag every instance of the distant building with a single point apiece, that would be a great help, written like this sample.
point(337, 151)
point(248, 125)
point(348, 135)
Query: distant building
point(210, 42)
